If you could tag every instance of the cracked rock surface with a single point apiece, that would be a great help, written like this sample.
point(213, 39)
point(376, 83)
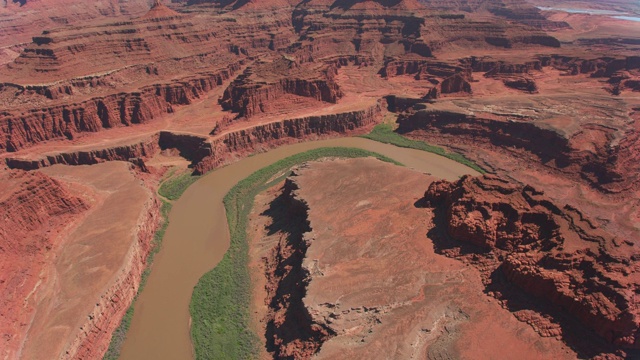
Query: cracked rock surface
point(358, 277)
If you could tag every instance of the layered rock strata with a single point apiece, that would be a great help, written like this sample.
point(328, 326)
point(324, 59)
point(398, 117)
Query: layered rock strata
point(260, 86)
point(23, 19)
point(143, 149)
point(207, 153)
point(157, 79)
point(35, 210)
point(246, 141)
point(92, 269)
point(515, 10)
point(559, 149)
point(23, 129)
point(117, 74)
point(406, 31)
point(341, 259)
point(553, 254)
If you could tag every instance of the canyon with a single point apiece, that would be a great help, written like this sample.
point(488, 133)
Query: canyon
point(555, 254)
point(364, 277)
point(101, 103)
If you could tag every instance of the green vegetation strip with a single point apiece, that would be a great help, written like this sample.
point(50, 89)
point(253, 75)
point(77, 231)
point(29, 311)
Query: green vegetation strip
point(384, 133)
point(119, 335)
point(220, 301)
point(173, 188)
point(170, 189)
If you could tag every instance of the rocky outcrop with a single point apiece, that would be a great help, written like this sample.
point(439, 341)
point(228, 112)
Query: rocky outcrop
point(247, 98)
point(544, 143)
point(291, 331)
point(356, 27)
point(573, 65)
point(514, 10)
point(521, 83)
point(446, 77)
point(602, 67)
point(23, 19)
point(624, 80)
point(191, 147)
point(515, 74)
point(34, 208)
point(207, 153)
point(509, 42)
point(424, 69)
point(502, 68)
point(551, 147)
point(20, 130)
point(94, 336)
point(455, 84)
point(368, 276)
point(245, 141)
point(623, 160)
point(63, 53)
point(552, 253)
point(60, 230)
point(143, 149)
point(243, 4)
point(36, 200)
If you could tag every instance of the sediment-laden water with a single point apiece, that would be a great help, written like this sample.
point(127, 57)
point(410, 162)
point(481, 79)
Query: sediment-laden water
point(197, 238)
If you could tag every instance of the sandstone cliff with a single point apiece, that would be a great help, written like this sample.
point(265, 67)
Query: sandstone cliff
point(35, 209)
point(94, 336)
point(247, 98)
point(561, 150)
point(552, 253)
point(207, 153)
point(79, 269)
point(143, 149)
point(221, 149)
point(22, 129)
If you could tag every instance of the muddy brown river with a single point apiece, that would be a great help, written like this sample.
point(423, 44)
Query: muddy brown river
point(197, 237)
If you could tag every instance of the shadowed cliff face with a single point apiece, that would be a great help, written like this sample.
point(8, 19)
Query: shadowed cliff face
point(83, 87)
point(18, 130)
point(102, 82)
point(368, 276)
point(349, 4)
point(209, 152)
point(564, 151)
point(539, 258)
point(291, 332)
point(31, 206)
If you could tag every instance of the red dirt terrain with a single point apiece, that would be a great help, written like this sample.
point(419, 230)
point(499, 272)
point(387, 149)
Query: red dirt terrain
point(349, 273)
point(20, 20)
point(522, 242)
point(545, 100)
point(35, 210)
point(74, 245)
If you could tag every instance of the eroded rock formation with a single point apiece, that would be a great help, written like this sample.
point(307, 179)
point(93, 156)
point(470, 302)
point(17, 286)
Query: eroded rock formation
point(22, 129)
point(553, 254)
point(313, 127)
point(515, 10)
point(35, 209)
point(566, 150)
point(202, 83)
point(348, 273)
point(209, 152)
point(258, 89)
